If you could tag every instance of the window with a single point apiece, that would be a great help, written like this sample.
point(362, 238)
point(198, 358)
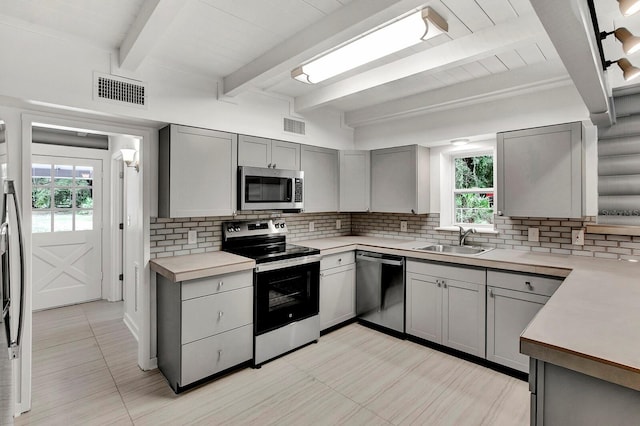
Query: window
point(473, 190)
point(61, 198)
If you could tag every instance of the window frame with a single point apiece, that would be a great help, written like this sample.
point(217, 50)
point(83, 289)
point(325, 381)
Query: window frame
point(454, 191)
point(447, 183)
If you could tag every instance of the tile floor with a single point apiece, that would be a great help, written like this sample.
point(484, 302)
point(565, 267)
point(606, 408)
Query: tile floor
point(85, 372)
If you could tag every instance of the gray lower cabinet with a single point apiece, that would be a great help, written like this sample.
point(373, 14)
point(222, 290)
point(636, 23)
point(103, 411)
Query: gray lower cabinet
point(513, 299)
point(337, 289)
point(205, 326)
point(446, 305)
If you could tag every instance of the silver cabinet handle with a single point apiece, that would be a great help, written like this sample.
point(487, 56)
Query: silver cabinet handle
point(490, 292)
point(220, 314)
point(219, 353)
point(220, 284)
point(339, 260)
point(269, 166)
point(438, 283)
point(274, 165)
point(444, 284)
point(528, 284)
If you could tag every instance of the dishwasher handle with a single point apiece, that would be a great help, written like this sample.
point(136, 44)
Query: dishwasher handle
point(380, 260)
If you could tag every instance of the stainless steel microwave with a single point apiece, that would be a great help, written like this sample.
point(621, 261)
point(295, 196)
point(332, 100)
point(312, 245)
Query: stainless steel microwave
point(270, 189)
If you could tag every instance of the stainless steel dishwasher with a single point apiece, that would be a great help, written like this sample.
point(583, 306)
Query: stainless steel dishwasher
point(380, 289)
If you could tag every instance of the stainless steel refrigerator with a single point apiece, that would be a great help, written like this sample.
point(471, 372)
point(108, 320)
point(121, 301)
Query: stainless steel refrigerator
point(12, 321)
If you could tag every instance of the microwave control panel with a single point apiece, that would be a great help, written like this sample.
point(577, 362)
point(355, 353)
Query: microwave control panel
point(298, 190)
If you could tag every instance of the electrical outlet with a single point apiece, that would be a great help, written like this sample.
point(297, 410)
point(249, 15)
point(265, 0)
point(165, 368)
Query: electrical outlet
point(577, 237)
point(192, 237)
point(338, 224)
point(312, 226)
point(403, 226)
point(533, 234)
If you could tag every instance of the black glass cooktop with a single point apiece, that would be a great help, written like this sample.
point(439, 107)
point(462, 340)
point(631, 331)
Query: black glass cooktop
point(273, 252)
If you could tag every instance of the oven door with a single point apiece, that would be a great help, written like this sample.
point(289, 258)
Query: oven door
point(285, 294)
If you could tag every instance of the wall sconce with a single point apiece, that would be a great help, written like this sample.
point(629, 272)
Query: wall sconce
point(629, 72)
point(382, 41)
point(630, 43)
point(129, 158)
point(629, 7)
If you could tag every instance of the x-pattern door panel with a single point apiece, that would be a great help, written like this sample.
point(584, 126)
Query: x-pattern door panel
point(66, 226)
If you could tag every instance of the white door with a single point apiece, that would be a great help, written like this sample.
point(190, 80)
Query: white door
point(66, 226)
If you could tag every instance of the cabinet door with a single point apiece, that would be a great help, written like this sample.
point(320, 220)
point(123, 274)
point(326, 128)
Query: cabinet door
point(400, 180)
point(463, 316)
point(254, 151)
point(355, 175)
point(508, 314)
point(424, 307)
point(285, 155)
point(320, 167)
point(540, 171)
point(337, 295)
point(201, 174)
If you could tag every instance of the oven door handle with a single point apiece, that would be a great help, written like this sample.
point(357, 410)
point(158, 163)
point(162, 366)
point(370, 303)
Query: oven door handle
point(287, 263)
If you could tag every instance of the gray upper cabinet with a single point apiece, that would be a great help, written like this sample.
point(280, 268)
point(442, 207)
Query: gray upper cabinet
point(355, 178)
point(261, 152)
point(197, 172)
point(320, 167)
point(540, 172)
point(400, 180)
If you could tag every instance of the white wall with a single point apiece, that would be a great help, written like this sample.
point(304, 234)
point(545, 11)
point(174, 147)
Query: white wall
point(559, 105)
point(59, 72)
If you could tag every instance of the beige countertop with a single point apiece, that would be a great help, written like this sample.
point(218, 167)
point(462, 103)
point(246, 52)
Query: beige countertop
point(591, 324)
point(193, 266)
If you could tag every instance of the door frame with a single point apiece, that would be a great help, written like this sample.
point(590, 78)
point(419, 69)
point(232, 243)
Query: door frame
point(148, 136)
point(114, 291)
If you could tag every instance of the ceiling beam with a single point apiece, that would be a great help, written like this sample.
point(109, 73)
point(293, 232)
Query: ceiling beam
point(152, 20)
point(540, 76)
point(334, 29)
point(490, 41)
point(569, 26)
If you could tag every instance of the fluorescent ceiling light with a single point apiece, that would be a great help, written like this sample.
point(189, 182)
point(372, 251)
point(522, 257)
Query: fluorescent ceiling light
point(400, 34)
point(629, 7)
point(459, 142)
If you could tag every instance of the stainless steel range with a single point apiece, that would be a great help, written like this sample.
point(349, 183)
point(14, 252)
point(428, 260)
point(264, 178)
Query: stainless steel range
point(286, 286)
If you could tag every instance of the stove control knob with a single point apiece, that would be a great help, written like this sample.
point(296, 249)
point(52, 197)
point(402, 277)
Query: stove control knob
point(230, 229)
point(277, 225)
point(282, 225)
point(237, 229)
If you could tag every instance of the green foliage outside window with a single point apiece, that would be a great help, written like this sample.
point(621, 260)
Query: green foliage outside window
point(473, 193)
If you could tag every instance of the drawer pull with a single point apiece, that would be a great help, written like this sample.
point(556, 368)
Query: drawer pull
point(220, 314)
point(219, 354)
point(444, 284)
point(340, 260)
point(528, 284)
point(220, 284)
point(438, 283)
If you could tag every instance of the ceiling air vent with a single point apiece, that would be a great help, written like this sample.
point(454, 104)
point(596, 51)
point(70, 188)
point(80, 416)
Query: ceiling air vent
point(119, 90)
point(294, 126)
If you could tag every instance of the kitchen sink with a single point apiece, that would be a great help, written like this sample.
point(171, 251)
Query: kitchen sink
point(450, 249)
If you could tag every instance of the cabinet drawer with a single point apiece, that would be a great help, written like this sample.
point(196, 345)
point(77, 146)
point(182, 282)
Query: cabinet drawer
point(339, 259)
point(216, 284)
point(460, 273)
point(213, 314)
point(208, 356)
point(520, 282)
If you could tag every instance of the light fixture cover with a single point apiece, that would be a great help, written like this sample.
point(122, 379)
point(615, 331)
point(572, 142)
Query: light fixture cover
point(629, 72)
point(630, 43)
point(128, 155)
point(629, 7)
point(459, 142)
point(400, 34)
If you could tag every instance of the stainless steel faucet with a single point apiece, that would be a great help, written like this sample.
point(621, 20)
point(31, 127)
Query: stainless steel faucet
point(462, 234)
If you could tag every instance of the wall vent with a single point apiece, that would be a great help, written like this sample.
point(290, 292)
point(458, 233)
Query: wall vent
point(119, 90)
point(294, 126)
